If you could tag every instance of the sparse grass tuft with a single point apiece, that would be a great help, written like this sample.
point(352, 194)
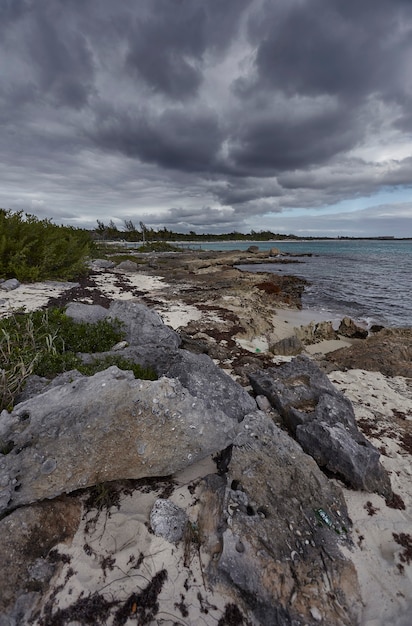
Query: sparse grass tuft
point(46, 343)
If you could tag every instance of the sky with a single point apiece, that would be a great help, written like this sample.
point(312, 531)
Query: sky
point(209, 115)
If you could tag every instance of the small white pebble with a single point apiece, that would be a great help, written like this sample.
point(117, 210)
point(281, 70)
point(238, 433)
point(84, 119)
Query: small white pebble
point(316, 614)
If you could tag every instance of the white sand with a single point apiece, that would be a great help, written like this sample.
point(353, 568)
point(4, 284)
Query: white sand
point(34, 296)
point(115, 555)
point(31, 296)
point(384, 576)
point(106, 281)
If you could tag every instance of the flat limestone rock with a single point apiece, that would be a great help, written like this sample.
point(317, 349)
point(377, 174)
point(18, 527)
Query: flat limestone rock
point(106, 427)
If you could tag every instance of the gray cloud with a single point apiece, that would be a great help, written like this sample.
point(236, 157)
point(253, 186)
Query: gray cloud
point(231, 111)
point(175, 139)
point(376, 221)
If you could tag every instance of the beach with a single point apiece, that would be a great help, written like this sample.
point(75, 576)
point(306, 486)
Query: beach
point(236, 318)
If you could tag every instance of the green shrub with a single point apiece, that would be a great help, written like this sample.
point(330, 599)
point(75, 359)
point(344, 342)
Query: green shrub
point(46, 342)
point(123, 364)
point(33, 249)
point(158, 246)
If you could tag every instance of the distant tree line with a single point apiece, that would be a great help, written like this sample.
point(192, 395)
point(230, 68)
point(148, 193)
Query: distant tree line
point(111, 232)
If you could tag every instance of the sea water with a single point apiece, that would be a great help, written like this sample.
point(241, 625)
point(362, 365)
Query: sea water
point(368, 280)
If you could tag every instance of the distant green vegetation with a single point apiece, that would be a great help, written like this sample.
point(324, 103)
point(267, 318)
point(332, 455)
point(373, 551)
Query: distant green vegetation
point(147, 235)
point(98, 365)
point(158, 246)
point(46, 342)
point(33, 249)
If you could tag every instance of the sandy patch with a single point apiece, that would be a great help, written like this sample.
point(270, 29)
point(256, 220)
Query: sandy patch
point(284, 324)
point(110, 283)
point(115, 558)
point(328, 345)
point(31, 296)
point(383, 408)
point(303, 317)
point(177, 314)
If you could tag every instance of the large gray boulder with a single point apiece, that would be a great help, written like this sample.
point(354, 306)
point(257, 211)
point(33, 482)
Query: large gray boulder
point(143, 327)
point(88, 313)
point(153, 344)
point(199, 374)
point(127, 266)
point(322, 420)
point(9, 285)
point(106, 427)
point(278, 535)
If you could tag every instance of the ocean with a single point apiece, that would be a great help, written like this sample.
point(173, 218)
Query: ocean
point(368, 280)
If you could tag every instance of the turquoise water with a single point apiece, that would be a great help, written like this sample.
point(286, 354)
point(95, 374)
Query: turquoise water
point(371, 281)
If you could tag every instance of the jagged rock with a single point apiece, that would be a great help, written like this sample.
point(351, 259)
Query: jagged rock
point(206, 381)
point(274, 252)
point(88, 313)
point(348, 328)
point(143, 326)
point(314, 332)
point(103, 428)
point(101, 264)
point(196, 372)
point(269, 543)
point(36, 385)
point(253, 249)
point(127, 266)
point(168, 520)
point(155, 345)
point(323, 421)
point(9, 285)
point(27, 535)
point(289, 346)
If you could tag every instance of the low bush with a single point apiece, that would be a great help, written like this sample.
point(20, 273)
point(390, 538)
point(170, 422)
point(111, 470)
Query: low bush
point(144, 373)
point(33, 249)
point(46, 342)
point(158, 246)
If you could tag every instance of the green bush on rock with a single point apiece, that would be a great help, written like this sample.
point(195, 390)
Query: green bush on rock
point(46, 342)
point(33, 249)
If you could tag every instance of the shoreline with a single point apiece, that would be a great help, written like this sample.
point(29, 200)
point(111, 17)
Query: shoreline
point(207, 301)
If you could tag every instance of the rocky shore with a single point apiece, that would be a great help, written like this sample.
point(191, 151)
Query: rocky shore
point(264, 478)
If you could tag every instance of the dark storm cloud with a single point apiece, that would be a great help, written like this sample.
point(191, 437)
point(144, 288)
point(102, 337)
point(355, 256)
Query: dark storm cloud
point(344, 53)
point(173, 139)
point(337, 48)
point(52, 61)
point(62, 61)
point(166, 49)
point(167, 46)
point(230, 110)
point(204, 219)
point(268, 146)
